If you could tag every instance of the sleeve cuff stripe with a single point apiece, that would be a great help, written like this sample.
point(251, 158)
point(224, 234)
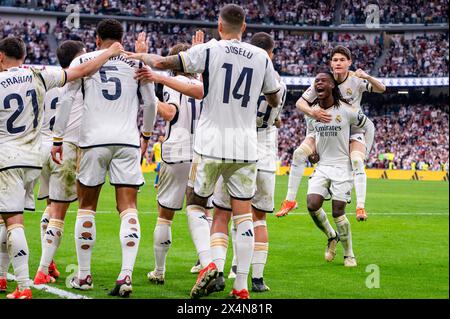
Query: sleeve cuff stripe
point(272, 92)
point(57, 139)
point(182, 64)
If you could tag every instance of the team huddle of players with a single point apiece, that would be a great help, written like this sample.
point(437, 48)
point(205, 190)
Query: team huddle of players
point(222, 105)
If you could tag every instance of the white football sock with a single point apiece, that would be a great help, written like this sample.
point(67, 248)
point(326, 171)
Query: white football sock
point(18, 254)
point(52, 240)
point(298, 164)
point(85, 236)
point(219, 246)
point(360, 178)
point(233, 242)
point(4, 257)
point(245, 242)
point(259, 259)
point(44, 224)
point(162, 240)
point(210, 221)
point(343, 228)
point(321, 220)
point(130, 236)
point(199, 229)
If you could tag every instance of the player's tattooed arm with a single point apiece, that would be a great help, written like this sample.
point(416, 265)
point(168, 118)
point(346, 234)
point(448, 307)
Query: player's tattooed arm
point(156, 61)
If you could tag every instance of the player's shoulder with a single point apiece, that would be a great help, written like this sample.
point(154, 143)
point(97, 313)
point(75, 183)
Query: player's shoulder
point(353, 78)
point(348, 108)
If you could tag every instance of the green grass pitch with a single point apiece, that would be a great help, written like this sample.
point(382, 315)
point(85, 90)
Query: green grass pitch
point(406, 238)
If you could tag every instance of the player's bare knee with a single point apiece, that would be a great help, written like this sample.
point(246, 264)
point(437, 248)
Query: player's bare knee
point(302, 152)
point(314, 202)
point(165, 213)
point(258, 215)
point(338, 208)
point(194, 199)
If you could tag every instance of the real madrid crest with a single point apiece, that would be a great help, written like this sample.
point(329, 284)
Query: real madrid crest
point(349, 91)
point(338, 118)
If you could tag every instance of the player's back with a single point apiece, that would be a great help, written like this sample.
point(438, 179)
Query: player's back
point(235, 75)
point(178, 144)
point(111, 103)
point(21, 95)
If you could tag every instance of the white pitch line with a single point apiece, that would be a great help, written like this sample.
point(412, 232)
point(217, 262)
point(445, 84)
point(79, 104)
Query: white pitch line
point(52, 290)
point(301, 213)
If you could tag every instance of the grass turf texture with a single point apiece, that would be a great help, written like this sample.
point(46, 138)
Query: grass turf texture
point(406, 236)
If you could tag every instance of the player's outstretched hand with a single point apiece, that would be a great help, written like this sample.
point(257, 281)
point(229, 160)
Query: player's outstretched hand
point(198, 37)
point(132, 55)
point(115, 49)
point(361, 74)
point(57, 154)
point(141, 45)
point(145, 74)
point(321, 115)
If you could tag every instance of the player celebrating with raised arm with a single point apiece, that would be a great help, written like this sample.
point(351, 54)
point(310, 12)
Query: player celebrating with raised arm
point(109, 141)
point(352, 85)
point(333, 174)
point(225, 142)
point(57, 182)
point(22, 94)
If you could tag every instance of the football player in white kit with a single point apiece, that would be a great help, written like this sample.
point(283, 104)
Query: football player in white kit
point(333, 173)
point(57, 182)
point(263, 202)
point(181, 113)
point(22, 95)
point(109, 142)
point(225, 144)
point(352, 85)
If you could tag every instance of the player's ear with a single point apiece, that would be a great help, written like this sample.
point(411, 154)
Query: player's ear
point(244, 26)
point(98, 42)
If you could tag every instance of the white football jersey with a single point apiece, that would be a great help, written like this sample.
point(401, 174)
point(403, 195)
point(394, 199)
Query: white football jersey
point(333, 139)
point(22, 93)
point(111, 102)
point(50, 111)
point(352, 89)
point(177, 147)
point(268, 133)
point(234, 74)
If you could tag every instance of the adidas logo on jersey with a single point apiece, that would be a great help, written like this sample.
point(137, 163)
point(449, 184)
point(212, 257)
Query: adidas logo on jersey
point(20, 254)
point(248, 233)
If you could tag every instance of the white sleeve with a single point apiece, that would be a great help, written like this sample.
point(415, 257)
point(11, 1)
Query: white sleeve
point(149, 107)
point(53, 78)
point(365, 86)
point(194, 59)
point(171, 96)
point(271, 84)
point(64, 108)
point(310, 94)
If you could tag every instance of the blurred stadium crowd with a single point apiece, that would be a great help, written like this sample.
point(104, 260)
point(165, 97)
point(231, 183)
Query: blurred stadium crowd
point(408, 134)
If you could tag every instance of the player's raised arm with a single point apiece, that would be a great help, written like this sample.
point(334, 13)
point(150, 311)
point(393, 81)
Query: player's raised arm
point(150, 103)
point(90, 67)
point(376, 86)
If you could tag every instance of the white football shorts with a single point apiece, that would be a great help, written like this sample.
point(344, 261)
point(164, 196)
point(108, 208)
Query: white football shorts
point(58, 182)
point(331, 180)
point(122, 163)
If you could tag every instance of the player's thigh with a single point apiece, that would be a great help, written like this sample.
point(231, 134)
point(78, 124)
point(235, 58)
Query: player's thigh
point(240, 179)
point(93, 165)
point(173, 180)
point(44, 178)
point(357, 140)
point(265, 191)
point(318, 184)
point(125, 168)
point(203, 175)
point(221, 198)
point(126, 197)
point(62, 182)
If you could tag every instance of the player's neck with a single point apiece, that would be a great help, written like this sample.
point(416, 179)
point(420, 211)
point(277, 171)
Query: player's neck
point(341, 76)
point(231, 36)
point(326, 103)
point(106, 44)
point(10, 64)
